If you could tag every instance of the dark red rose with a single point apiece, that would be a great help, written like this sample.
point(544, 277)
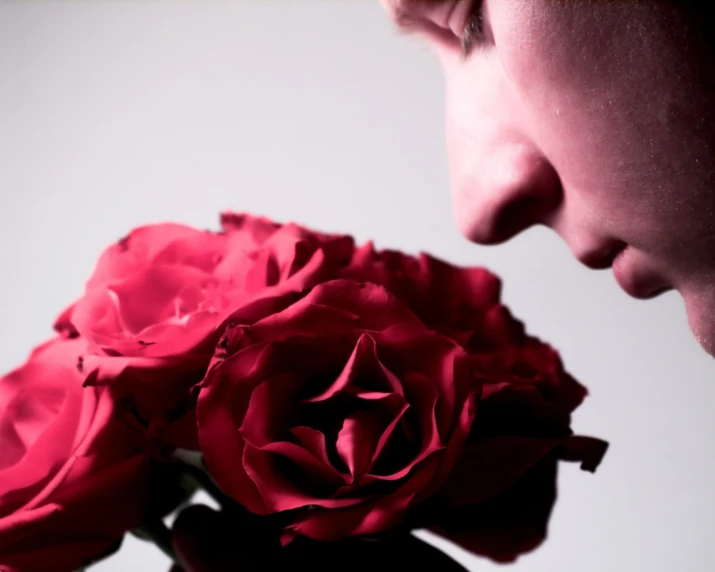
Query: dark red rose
point(523, 425)
point(159, 299)
point(343, 408)
point(72, 477)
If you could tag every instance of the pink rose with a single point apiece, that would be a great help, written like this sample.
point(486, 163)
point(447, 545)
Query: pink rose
point(159, 300)
point(72, 477)
point(344, 408)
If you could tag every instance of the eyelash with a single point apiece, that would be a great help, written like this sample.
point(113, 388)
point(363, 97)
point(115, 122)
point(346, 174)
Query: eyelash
point(473, 30)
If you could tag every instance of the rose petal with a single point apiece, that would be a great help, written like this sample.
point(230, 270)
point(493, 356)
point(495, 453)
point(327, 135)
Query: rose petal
point(222, 447)
point(254, 230)
point(586, 450)
point(364, 433)
point(312, 441)
point(436, 358)
point(148, 244)
point(507, 525)
point(263, 272)
point(422, 396)
point(49, 372)
point(319, 472)
point(367, 301)
point(387, 433)
point(490, 465)
point(23, 420)
point(159, 286)
point(271, 405)
point(362, 365)
point(278, 492)
point(372, 516)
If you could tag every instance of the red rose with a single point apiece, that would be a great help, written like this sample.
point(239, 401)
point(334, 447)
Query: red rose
point(489, 504)
point(158, 300)
point(343, 407)
point(72, 481)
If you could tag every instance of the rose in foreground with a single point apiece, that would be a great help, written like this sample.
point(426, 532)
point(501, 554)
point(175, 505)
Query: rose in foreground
point(72, 479)
point(158, 301)
point(521, 431)
point(343, 408)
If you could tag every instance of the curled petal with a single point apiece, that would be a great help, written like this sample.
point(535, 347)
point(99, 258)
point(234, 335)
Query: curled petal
point(279, 492)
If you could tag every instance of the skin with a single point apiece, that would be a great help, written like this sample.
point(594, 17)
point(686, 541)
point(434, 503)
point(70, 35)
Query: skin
point(593, 118)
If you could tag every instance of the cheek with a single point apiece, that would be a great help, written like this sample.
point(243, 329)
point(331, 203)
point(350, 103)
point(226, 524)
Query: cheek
point(567, 100)
point(473, 133)
point(483, 120)
point(553, 82)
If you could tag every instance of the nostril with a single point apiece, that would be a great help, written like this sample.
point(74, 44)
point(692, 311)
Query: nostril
point(601, 259)
point(497, 225)
point(658, 291)
point(516, 217)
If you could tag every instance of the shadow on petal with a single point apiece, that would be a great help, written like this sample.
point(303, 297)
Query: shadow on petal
point(510, 523)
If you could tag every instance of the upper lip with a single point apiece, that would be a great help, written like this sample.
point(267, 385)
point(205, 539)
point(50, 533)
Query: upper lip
point(602, 256)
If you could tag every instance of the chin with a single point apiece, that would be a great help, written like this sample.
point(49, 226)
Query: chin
point(707, 341)
point(700, 307)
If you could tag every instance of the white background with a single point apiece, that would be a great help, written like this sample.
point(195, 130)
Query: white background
point(116, 114)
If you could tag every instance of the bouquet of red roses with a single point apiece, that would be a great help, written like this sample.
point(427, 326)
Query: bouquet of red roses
point(332, 393)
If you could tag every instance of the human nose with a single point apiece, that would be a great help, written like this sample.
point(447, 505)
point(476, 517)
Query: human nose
point(515, 190)
point(502, 183)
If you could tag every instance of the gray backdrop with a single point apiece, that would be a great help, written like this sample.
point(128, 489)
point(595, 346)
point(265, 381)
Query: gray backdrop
point(116, 114)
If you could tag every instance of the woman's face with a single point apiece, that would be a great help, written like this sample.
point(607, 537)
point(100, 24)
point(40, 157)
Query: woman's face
point(593, 118)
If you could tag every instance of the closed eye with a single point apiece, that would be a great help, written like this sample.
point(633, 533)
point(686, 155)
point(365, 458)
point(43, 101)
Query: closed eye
point(447, 23)
point(473, 33)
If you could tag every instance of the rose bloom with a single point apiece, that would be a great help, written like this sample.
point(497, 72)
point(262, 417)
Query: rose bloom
point(158, 300)
point(72, 477)
point(498, 497)
point(343, 408)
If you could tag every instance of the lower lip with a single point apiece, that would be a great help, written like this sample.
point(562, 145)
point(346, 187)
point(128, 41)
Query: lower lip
point(618, 260)
point(619, 271)
point(623, 271)
point(633, 282)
